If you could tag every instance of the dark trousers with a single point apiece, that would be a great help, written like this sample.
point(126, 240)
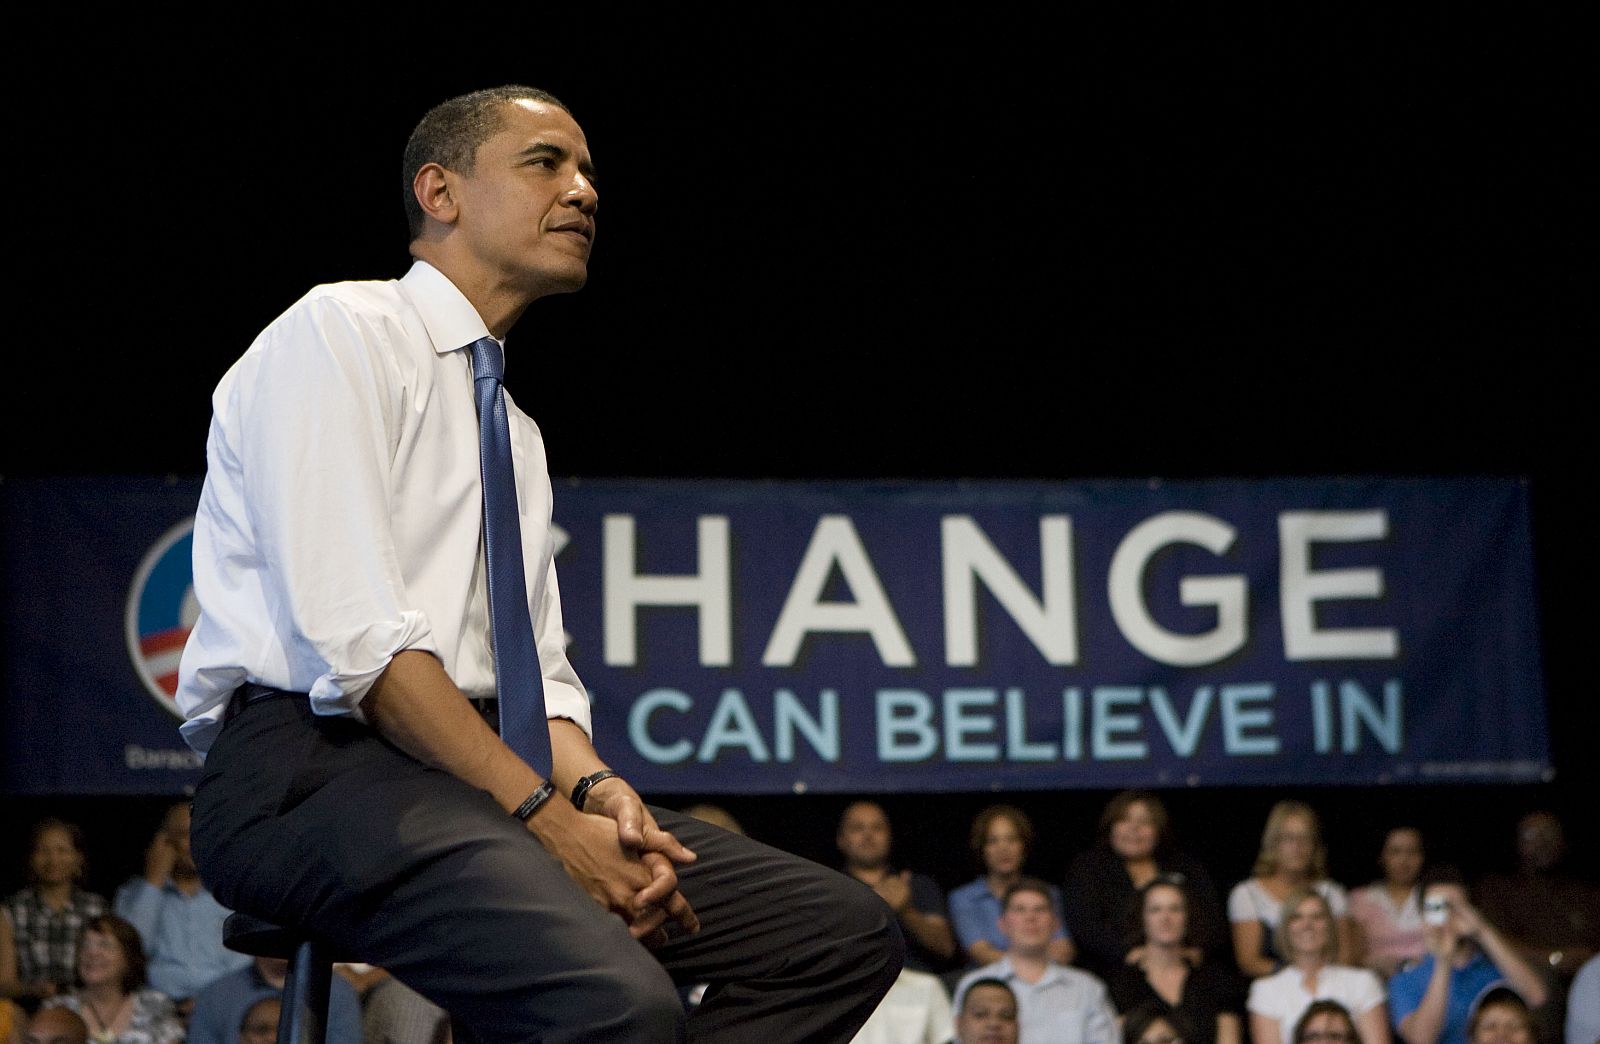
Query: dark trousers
point(319, 824)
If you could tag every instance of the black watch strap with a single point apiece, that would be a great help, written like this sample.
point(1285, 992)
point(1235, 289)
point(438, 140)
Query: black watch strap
point(580, 792)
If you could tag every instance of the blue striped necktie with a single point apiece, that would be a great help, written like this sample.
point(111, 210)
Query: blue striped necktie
point(518, 680)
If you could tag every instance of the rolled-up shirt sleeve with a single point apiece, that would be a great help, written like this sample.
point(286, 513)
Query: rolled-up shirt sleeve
point(564, 696)
point(317, 424)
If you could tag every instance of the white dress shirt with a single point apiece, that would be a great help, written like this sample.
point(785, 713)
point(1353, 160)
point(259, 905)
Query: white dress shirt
point(1066, 1005)
point(341, 520)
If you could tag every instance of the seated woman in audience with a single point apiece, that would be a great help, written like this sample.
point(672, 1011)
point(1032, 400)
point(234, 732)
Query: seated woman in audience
point(1166, 978)
point(1276, 1002)
point(1151, 1024)
point(1002, 837)
point(1500, 1017)
point(110, 996)
point(1325, 1022)
point(1291, 857)
point(40, 925)
point(1388, 913)
point(1101, 888)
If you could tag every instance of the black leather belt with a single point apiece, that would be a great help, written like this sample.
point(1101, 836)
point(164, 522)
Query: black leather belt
point(251, 693)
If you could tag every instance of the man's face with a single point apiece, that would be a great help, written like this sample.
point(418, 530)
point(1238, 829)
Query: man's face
point(527, 209)
point(988, 1016)
point(260, 1024)
point(864, 836)
point(1028, 921)
point(1539, 841)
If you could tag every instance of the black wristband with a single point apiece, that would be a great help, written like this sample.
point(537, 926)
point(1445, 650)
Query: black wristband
point(580, 793)
point(535, 801)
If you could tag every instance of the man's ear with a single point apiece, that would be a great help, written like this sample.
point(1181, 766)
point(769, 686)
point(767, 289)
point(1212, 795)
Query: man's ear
point(432, 187)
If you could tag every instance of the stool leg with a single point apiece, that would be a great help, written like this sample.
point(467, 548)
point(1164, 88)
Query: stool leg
point(305, 996)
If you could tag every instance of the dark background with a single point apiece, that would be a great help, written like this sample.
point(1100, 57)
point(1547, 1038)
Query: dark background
point(974, 247)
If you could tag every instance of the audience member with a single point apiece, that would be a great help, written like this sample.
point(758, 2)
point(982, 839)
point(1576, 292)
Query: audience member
point(1431, 1002)
point(1134, 846)
point(222, 1003)
point(1583, 1005)
point(1165, 977)
point(1055, 1004)
point(1388, 913)
point(55, 1026)
point(260, 1022)
point(988, 1014)
point(40, 925)
point(110, 996)
point(864, 840)
point(1500, 1016)
point(916, 1010)
point(1292, 856)
point(1153, 1024)
point(1306, 935)
point(179, 921)
point(1326, 1022)
point(1002, 837)
point(1549, 916)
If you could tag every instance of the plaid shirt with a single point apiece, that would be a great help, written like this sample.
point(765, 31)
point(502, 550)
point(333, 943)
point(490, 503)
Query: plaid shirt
point(46, 939)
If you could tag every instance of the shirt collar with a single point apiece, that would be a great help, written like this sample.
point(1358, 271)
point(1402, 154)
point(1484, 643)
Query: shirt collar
point(450, 319)
point(1053, 972)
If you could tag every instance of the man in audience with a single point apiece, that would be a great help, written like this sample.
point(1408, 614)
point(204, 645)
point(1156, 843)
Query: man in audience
point(918, 902)
point(989, 1014)
point(1430, 1002)
point(260, 1022)
point(178, 920)
point(1055, 1004)
point(1550, 917)
point(220, 1007)
point(57, 1026)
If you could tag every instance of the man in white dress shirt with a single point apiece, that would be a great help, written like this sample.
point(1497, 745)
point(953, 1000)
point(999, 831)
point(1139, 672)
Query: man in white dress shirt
point(1055, 1004)
point(352, 789)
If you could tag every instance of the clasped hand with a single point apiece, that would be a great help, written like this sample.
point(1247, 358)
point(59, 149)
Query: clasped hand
point(625, 861)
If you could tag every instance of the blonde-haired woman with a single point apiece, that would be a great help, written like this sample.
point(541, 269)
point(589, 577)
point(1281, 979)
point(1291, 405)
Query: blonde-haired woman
point(1306, 935)
point(1292, 857)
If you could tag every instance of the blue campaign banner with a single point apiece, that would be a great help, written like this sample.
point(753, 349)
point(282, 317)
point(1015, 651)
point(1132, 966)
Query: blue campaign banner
point(97, 602)
point(777, 637)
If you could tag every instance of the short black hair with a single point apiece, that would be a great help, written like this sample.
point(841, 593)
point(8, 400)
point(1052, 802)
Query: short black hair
point(986, 981)
point(450, 133)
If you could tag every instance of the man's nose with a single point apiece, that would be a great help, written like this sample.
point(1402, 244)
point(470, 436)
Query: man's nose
point(582, 194)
